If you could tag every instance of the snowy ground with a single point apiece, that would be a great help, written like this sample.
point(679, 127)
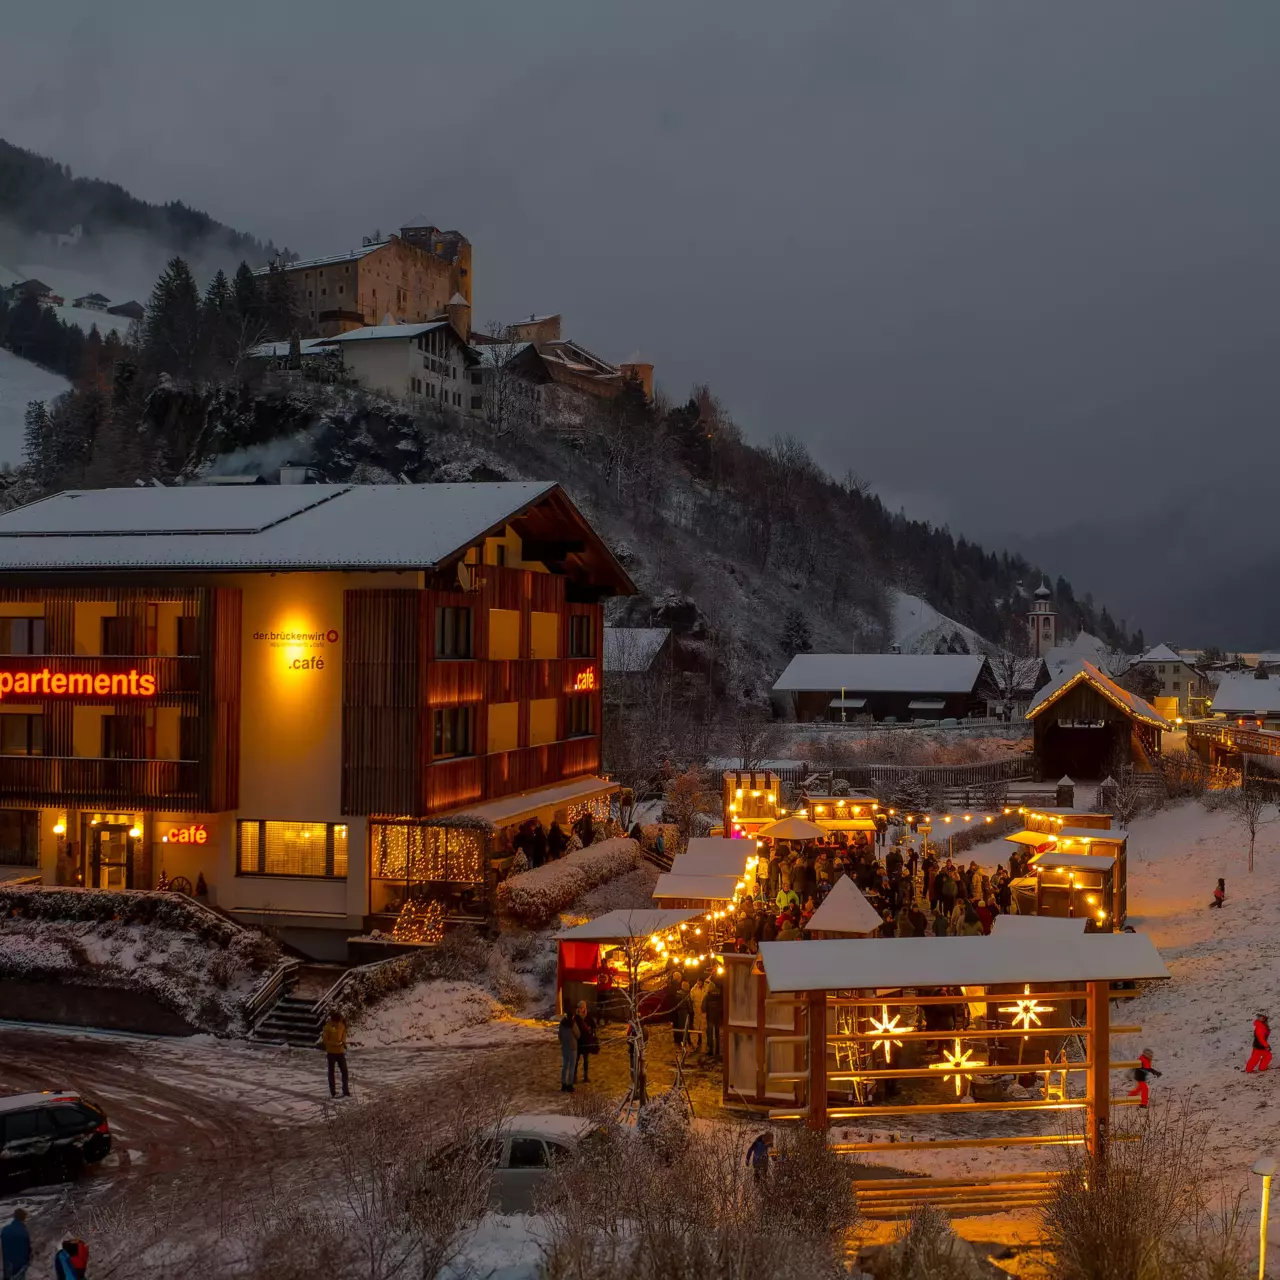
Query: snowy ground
point(917, 626)
point(20, 383)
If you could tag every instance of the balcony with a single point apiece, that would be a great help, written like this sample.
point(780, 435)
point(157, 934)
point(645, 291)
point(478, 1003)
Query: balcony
point(92, 781)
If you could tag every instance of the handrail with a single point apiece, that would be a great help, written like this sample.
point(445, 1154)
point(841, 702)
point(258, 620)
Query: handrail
point(345, 980)
point(268, 991)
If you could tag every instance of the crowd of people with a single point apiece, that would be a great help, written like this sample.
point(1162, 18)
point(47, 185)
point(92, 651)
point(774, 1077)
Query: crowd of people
point(917, 891)
point(540, 844)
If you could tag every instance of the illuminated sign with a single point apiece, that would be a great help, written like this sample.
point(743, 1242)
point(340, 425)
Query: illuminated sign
point(69, 684)
point(586, 680)
point(196, 833)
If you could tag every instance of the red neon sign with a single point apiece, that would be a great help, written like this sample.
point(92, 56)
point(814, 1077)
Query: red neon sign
point(586, 680)
point(64, 684)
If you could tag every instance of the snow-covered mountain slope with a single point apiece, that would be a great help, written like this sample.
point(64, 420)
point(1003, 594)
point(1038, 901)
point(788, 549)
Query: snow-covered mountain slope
point(917, 627)
point(20, 383)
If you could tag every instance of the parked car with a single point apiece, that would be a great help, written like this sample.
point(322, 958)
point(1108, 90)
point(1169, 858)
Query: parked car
point(526, 1149)
point(50, 1135)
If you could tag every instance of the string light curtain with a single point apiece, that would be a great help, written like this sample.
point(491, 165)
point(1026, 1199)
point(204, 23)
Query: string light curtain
point(417, 854)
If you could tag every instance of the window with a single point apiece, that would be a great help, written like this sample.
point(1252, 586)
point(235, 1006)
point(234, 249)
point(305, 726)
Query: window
point(453, 632)
point(22, 1126)
point(504, 726)
point(188, 738)
point(582, 636)
point(477, 402)
point(117, 636)
point(21, 635)
point(117, 738)
point(544, 635)
point(1162, 668)
point(527, 1153)
point(21, 735)
point(324, 293)
point(20, 837)
point(500, 555)
point(504, 634)
point(578, 717)
point(1177, 684)
point(542, 721)
point(292, 849)
point(452, 732)
point(341, 289)
point(188, 637)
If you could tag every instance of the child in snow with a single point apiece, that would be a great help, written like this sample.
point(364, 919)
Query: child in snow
point(1219, 893)
point(1140, 1074)
point(1260, 1058)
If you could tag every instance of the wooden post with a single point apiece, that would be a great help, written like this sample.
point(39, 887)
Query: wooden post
point(1098, 1052)
point(818, 1061)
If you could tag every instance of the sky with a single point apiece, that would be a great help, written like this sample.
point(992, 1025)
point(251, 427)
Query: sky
point(1015, 263)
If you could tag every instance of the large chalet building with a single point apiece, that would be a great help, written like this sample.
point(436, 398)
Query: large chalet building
point(313, 700)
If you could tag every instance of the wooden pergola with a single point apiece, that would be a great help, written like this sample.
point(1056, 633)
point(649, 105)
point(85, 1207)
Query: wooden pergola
point(1057, 971)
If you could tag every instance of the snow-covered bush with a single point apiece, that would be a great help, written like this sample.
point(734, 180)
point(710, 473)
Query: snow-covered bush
point(534, 897)
point(928, 1249)
point(665, 1121)
point(519, 864)
point(506, 982)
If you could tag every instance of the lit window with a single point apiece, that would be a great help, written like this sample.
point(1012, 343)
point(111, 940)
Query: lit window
point(292, 849)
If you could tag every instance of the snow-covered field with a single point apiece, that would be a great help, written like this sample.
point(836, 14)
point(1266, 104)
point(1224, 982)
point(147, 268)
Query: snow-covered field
point(917, 626)
point(20, 383)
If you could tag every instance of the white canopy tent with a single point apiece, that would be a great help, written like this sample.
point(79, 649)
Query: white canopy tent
point(842, 963)
point(1032, 928)
point(845, 910)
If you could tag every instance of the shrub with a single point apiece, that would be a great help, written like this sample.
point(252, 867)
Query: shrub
point(927, 1249)
point(536, 896)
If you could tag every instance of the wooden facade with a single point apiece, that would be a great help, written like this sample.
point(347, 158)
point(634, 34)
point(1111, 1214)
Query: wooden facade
point(204, 684)
point(1086, 734)
point(394, 683)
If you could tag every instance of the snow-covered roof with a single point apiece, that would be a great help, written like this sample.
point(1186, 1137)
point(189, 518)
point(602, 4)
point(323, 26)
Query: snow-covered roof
point(726, 858)
point(259, 526)
point(1161, 653)
point(400, 332)
point(1034, 839)
point(327, 261)
point(1243, 694)
point(1093, 835)
point(1068, 861)
point(509, 809)
point(845, 910)
point(845, 963)
point(457, 301)
point(1032, 928)
point(881, 673)
point(628, 922)
point(1122, 698)
point(701, 888)
point(632, 649)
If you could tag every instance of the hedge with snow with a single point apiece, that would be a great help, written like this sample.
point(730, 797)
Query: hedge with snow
point(534, 897)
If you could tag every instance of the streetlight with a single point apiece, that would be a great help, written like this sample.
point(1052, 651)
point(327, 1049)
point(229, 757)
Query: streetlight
point(1265, 1169)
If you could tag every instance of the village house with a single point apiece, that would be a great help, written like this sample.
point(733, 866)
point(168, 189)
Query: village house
point(316, 701)
point(1183, 690)
point(1249, 695)
point(429, 365)
point(92, 302)
point(897, 687)
point(411, 277)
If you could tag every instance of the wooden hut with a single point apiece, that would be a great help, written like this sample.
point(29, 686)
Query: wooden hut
point(749, 798)
point(1084, 722)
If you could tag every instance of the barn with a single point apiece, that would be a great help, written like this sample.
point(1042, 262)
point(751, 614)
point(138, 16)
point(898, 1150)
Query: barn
point(1087, 726)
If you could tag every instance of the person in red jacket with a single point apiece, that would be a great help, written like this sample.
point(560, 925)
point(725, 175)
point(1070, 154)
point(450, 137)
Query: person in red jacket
point(1140, 1074)
point(1260, 1058)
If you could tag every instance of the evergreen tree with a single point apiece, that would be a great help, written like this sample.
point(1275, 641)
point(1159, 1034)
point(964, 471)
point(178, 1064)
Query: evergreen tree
point(218, 324)
point(244, 293)
point(795, 633)
point(171, 334)
point(279, 313)
point(37, 443)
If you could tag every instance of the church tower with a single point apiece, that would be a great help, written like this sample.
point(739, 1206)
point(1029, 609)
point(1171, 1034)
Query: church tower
point(1042, 621)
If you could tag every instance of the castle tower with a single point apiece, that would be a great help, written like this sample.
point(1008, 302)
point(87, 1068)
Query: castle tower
point(1042, 621)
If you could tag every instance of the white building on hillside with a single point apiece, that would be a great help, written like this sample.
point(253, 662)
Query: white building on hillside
point(429, 365)
point(1183, 689)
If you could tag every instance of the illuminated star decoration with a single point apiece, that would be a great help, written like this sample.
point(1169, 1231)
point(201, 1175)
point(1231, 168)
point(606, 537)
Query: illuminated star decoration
point(956, 1060)
point(1026, 1011)
point(885, 1026)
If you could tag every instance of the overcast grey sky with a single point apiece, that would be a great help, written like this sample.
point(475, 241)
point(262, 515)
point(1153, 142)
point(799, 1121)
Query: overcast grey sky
point(1015, 262)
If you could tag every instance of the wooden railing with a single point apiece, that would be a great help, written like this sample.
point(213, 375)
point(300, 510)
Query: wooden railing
point(83, 780)
point(452, 783)
point(1234, 737)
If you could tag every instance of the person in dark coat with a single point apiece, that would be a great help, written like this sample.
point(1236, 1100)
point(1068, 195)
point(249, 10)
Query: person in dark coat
point(682, 1016)
point(538, 843)
point(758, 1156)
point(15, 1246)
point(567, 1032)
point(713, 1009)
point(588, 1043)
point(557, 841)
point(585, 829)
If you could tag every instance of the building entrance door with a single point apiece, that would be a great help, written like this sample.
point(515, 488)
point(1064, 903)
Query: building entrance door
point(111, 854)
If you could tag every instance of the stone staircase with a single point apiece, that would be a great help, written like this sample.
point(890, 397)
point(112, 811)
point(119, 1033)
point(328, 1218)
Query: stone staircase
point(293, 1018)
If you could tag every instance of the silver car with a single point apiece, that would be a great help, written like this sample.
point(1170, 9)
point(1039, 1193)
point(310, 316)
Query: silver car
point(527, 1148)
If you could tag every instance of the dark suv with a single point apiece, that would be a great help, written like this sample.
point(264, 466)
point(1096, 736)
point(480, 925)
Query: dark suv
point(50, 1135)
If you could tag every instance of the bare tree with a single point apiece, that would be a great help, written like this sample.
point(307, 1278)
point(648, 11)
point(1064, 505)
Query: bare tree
point(1014, 667)
point(1252, 804)
point(512, 403)
point(754, 737)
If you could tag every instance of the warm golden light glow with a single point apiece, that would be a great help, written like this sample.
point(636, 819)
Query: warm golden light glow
point(956, 1060)
point(1026, 1011)
point(886, 1026)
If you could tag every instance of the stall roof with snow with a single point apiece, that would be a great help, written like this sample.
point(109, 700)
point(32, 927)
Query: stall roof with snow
point(509, 809)
point(1083, 721)
point(629, 922)
point(728, 860)
point(1032, 928)
point(898, 686)
point(845, 910)
point(671, 887)
point(841, 964)
point(1064, 860)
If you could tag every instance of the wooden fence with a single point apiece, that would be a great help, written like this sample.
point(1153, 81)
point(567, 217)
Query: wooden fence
point(878, 778)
